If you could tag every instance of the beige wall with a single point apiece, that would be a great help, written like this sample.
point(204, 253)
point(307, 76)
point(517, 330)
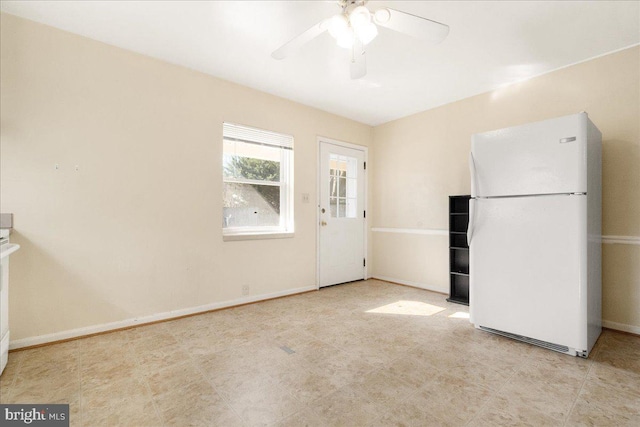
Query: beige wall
point(136, 230)
point(423, 159)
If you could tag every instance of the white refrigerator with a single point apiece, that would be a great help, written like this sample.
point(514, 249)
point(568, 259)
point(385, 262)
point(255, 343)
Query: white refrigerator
point(535, 233)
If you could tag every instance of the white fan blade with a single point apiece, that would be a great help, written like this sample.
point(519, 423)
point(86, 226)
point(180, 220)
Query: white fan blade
point(358, 61)
point(296, 43)
point(412, 25)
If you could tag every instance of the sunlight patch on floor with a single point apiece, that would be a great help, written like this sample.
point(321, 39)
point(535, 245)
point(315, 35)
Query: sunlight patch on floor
point(460, 315)
point(412, 308)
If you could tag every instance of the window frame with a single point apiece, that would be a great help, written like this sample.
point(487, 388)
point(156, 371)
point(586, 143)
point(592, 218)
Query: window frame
point(250, 135)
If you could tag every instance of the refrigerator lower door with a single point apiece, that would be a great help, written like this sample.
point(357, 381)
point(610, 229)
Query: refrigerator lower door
point(528, 268)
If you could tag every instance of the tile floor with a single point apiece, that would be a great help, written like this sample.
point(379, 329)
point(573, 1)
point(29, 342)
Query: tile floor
point(363, 354)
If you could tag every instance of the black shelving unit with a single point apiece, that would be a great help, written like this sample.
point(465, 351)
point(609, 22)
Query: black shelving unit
point(458, 249)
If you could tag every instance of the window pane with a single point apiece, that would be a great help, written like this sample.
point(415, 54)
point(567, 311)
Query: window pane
point(251, 161)
point(333, 208)
point(341, 208)
point(333, 186)
point(342, 187)
point(250, 205)
point(338, 164)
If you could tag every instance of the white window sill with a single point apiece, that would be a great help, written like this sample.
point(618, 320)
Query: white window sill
point(255, 236)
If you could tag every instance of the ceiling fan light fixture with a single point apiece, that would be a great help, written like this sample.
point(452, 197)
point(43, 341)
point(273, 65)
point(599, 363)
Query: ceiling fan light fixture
point(355, 26)
point(338, 25)
point(366, 33)
point(345, 39)
point(359, 17)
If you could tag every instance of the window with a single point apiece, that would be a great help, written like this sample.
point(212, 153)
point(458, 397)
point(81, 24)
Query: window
point(343, 197)
point(257, 182)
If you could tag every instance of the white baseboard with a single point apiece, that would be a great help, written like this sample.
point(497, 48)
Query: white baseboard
point(412, 284)
point(621, 327)
point(138, 321)
point(623, 240)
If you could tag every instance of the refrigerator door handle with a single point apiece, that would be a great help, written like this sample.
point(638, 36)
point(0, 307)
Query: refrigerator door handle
point(472, 169)
point(472, 215)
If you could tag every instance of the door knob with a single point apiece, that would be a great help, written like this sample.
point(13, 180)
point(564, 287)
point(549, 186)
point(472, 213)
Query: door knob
point(323, 223)
point(323, 211)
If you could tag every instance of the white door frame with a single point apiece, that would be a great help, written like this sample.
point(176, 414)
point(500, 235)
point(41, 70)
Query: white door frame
point(320, 140)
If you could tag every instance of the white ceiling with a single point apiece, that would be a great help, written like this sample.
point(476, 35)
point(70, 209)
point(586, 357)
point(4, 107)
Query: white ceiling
point(490, 44)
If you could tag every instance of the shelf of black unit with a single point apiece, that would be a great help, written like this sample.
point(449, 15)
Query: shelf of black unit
point(459, 213)
point(457, 232)
point(457, 273)
point(458, 300)
point(458, 248)
point(459, 292)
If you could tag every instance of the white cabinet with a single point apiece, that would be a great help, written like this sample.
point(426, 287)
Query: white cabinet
point(6, 249)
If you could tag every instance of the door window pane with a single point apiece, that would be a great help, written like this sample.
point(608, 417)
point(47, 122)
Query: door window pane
point(333, 207)
point(343, 188)
point(341, 208)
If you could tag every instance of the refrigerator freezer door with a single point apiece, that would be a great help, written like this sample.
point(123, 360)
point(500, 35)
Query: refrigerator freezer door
point(528, 267)
point(546, 157)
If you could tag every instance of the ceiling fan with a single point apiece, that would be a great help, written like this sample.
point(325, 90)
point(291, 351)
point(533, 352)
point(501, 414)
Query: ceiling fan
point(355, 27)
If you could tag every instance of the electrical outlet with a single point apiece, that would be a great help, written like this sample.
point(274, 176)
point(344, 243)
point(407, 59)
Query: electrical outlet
point(245, 290)
point(305, 197)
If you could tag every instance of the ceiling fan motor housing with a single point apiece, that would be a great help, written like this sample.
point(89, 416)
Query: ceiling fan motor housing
point(348, 5)
point(355, 23)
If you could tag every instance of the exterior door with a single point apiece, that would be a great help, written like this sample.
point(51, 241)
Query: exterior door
point(341, 228)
